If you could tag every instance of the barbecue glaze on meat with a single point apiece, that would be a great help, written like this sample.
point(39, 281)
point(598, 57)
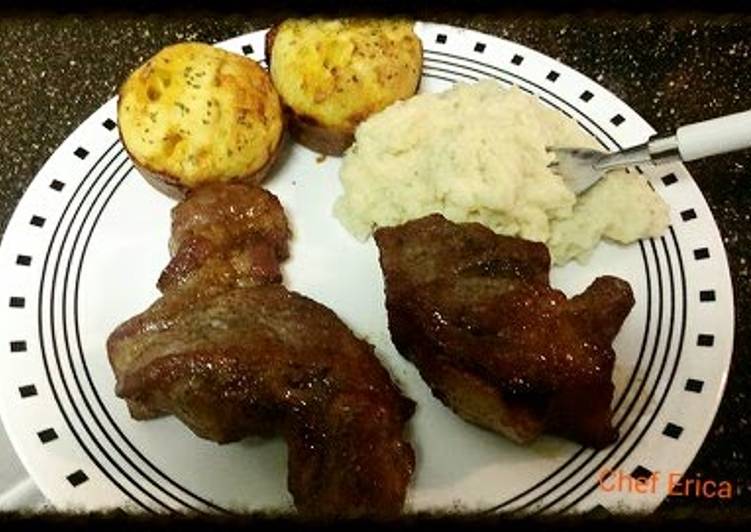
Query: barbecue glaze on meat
point(226, 235)
point(232, 353)
point(475, 312)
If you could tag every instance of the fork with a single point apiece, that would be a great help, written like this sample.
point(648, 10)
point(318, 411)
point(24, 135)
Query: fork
point(583, 167)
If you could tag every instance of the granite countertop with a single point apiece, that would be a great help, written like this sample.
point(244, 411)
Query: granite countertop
point(671, 68)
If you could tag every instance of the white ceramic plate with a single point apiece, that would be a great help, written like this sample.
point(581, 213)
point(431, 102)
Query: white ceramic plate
point(85, 246)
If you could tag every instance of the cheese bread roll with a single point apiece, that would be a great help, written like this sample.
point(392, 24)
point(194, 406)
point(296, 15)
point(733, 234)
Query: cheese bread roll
point(195, 114)
point(333, 74)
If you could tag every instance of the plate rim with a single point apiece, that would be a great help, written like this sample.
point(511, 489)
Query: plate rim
point(13, 222)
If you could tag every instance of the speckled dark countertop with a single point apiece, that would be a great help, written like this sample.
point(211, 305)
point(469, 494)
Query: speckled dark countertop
point(672, 68)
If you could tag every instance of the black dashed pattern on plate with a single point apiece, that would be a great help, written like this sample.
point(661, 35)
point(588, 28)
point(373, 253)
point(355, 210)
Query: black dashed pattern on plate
point(77, 478)
point(37, 221)
point(641, 473)
point(669, 179)
point(672, 430)
point(688, 215)
point(55, 394)
point(705, 340)
point(28, 390)
point(18, 346)
point(47, 435)
point(701, 253)
point(707, 296)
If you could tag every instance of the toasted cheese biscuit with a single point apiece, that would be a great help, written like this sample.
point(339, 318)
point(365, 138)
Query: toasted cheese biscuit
point(333, 74)
point(195, 114)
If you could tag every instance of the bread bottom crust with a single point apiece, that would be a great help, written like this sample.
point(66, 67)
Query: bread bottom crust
point(321, 139)
point(171, 186)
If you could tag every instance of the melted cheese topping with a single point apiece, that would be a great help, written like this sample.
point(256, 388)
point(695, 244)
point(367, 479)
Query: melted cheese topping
point(195, 113)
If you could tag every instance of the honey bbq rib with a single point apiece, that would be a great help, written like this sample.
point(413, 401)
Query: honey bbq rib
point(475, 312)
point(231, 352)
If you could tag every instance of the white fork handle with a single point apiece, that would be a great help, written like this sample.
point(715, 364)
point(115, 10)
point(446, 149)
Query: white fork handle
point(712, 137)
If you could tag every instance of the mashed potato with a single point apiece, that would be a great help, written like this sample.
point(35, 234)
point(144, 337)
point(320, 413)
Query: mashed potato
point(477, 153)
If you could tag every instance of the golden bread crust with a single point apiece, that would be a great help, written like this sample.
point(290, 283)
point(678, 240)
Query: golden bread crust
point(195, 114)
point(333, 74)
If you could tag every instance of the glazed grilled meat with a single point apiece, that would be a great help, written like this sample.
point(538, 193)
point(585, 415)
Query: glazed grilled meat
point(232, 353)
point(261, 360)
point(226, 235)
point(475, 312)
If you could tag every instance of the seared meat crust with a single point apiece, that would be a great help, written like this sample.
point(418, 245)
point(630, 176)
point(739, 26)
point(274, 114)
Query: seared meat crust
point(476, 314)
point(232, 353)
